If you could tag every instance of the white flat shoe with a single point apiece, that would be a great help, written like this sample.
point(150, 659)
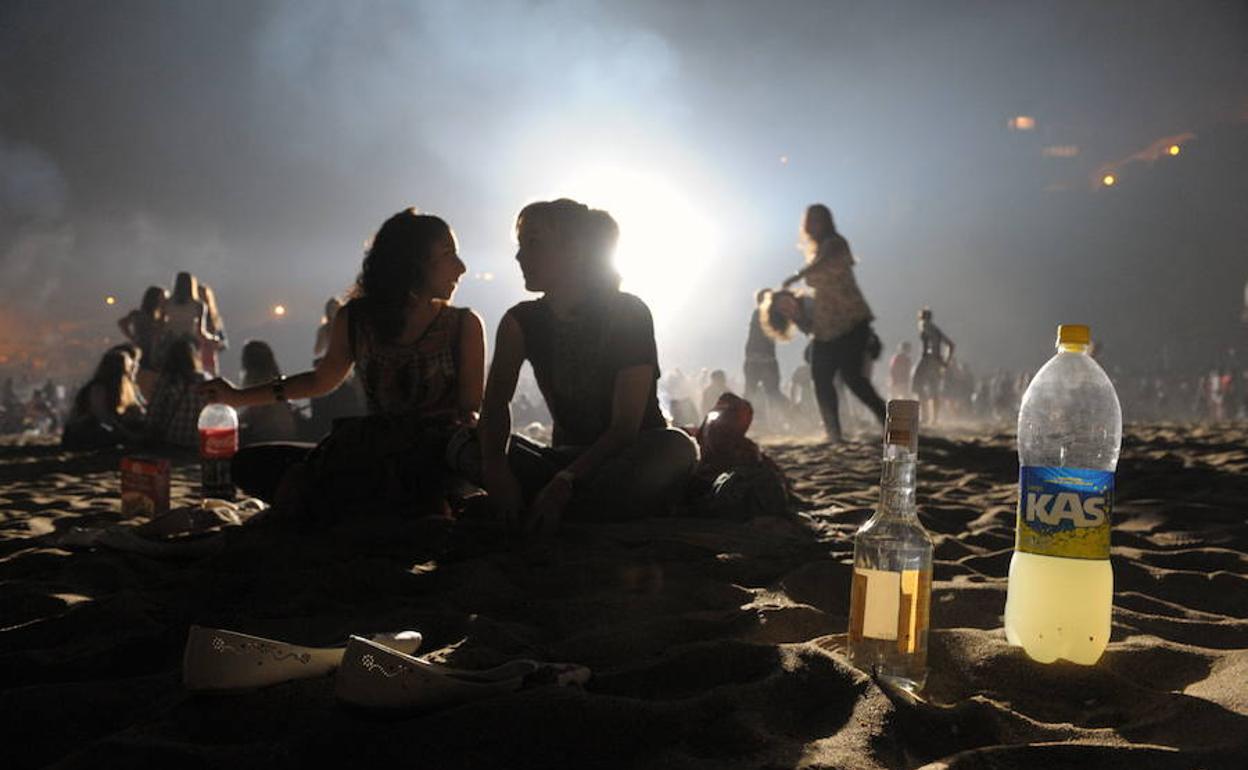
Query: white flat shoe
point(373, 676)
point(220, 661)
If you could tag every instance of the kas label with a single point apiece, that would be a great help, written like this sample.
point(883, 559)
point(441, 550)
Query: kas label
point(1064, 512)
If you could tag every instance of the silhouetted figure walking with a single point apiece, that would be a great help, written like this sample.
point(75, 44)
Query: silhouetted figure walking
point(929, 373)
point(841, 319)
point(762, 369)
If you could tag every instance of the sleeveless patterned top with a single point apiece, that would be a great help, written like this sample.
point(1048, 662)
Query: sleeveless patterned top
point(419, 377)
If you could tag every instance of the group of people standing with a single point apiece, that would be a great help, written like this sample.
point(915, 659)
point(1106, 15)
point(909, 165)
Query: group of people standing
point(164, 319)
point(145, 389)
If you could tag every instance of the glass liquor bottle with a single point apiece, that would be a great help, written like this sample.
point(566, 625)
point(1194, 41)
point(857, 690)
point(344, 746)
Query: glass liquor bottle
point(892, 587)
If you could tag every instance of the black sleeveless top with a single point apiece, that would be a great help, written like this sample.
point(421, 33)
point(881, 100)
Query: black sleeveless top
point(576, 360)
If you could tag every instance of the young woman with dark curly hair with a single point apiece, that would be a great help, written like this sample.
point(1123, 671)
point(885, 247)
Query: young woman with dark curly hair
point(422, 363)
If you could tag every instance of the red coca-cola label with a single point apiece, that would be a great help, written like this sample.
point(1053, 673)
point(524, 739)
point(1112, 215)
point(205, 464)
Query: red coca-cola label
point(218, 443)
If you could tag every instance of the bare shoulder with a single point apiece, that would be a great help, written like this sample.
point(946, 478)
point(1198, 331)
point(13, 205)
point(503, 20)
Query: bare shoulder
point(470, 321)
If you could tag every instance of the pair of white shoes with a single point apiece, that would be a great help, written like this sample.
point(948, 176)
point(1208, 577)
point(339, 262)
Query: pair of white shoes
point(381, 672)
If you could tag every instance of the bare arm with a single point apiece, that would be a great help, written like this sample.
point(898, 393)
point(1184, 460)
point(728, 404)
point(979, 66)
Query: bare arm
point(494, 430)
point(204, 334)
point(328, 374)
point(471, 366)
point(495, 426)
point(628, 404)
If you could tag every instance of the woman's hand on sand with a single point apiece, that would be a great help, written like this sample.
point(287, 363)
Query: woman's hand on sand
point(218, 391)
point(548, 507)
point(505, 497)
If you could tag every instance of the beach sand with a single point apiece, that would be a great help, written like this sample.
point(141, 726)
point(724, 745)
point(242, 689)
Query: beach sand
point(713, 643)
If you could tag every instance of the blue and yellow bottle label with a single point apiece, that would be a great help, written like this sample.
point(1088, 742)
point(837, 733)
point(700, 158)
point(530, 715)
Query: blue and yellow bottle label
point(1064, 512)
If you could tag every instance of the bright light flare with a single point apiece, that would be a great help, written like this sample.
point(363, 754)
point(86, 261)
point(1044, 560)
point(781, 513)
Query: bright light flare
point(279, 310)
point(1174, 149)
point(1109, 180)
point(1022, 123)
point(667, 240)
point(110, 300)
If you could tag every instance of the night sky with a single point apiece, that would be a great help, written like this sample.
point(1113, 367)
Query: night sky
point(260, 144)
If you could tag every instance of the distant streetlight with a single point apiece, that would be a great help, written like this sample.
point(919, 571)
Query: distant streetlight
point(279, 310)
point(1109, 180)
point(1174, 149)
point(1022, 123)
point(110, 300)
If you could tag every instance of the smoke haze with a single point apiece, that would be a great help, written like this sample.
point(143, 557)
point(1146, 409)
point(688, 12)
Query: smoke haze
point(259, 145)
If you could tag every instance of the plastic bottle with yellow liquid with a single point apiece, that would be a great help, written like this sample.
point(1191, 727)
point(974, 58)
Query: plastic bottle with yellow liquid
point(890, 599)
point(1061, 585)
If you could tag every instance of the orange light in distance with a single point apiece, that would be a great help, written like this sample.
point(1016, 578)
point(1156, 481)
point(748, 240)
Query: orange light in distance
point(279, 310)
point(1022, 123)
point(1174, 149)
point(1109, 180)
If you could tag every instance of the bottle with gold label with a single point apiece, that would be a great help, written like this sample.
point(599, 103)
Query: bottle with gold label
point(892, 586)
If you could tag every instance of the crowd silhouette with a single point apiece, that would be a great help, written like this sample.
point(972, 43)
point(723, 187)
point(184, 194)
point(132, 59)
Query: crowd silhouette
point(397, 409)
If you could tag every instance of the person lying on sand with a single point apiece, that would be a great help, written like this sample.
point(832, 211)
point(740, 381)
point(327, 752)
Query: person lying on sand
point(593, 354)
point(421, 361)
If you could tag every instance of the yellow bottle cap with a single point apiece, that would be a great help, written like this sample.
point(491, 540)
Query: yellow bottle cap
point(1074, 334)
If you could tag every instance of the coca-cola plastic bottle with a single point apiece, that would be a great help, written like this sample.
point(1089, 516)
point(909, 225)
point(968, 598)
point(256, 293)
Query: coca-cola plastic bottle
point(218, 442)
